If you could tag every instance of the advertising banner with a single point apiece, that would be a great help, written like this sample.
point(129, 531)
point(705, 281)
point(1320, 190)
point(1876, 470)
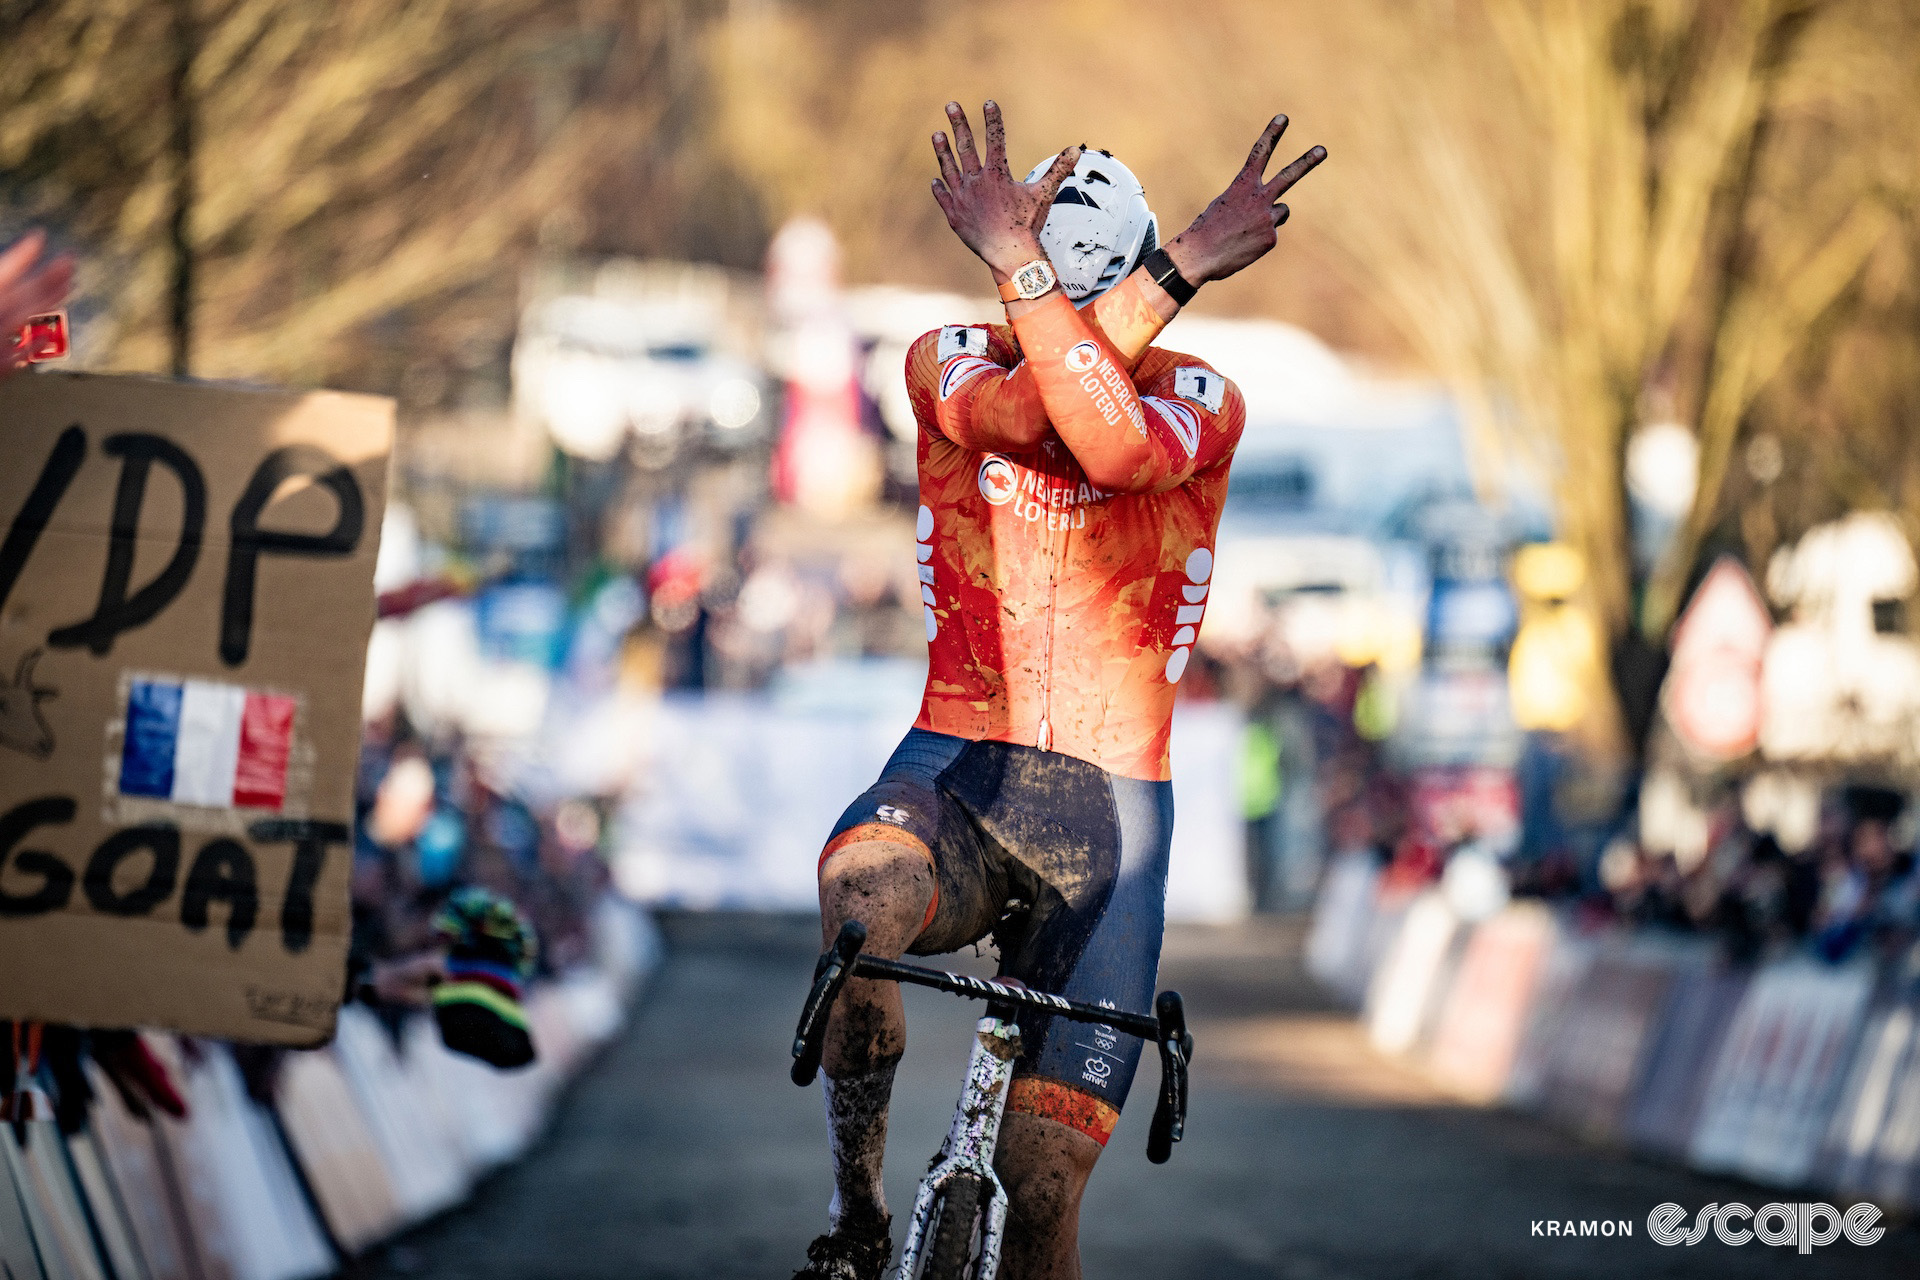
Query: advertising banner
point(1778, 1076)
point(1700, 1004)
point(1486, 1012)
point(1597, 1054)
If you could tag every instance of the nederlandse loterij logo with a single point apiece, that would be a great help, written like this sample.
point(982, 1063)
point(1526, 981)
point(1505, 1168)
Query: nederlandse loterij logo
point(1081, 356)
point(1804, 1226)
point(998, 480)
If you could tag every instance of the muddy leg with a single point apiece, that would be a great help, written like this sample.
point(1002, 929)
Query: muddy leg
point(887, 887)
point(1045, 1166)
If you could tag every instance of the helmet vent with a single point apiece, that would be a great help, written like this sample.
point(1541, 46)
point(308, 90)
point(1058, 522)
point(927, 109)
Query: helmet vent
point(1073, 195)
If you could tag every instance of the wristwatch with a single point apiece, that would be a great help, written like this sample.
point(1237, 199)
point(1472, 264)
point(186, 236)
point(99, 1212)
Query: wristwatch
point(1159, 265)
point(1029, 282)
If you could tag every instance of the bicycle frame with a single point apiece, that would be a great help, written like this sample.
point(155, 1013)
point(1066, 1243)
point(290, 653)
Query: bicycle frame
point(975, 1132)
point(971, 1142)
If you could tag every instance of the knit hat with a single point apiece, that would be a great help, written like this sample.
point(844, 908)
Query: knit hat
point(490, 955)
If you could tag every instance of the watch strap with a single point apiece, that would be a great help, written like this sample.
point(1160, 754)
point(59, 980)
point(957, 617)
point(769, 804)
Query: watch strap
point(1168, 277)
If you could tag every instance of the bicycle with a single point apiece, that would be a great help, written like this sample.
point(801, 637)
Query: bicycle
point(961, 1205)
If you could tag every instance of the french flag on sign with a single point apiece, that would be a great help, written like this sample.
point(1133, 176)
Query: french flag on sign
point(204, 743)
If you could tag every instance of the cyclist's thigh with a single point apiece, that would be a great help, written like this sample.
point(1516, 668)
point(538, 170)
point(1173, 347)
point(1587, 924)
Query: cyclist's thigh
point(907, 807)
point(1108, 954)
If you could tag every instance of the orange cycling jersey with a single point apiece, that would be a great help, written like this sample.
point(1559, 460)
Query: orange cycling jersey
point(1071, 478)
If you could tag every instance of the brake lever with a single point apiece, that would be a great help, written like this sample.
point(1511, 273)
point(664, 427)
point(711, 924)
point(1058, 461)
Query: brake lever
point(1176, 1051)
point(829, 975)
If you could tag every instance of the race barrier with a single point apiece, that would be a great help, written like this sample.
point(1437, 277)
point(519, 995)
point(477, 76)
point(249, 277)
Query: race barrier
point(1777, 1078)
point(1592, 1062)
point(1793, 1073)
point(363, 1138)
point(1872, 1148)
point(1485, 1012)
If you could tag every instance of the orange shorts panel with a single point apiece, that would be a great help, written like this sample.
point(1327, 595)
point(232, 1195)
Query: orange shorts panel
point(890, 834)
point(1075, 1108)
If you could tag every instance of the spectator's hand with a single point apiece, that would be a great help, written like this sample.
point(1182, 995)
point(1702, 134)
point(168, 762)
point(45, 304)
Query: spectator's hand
point(1243, 222)
point(408, 981)
point(28, 287)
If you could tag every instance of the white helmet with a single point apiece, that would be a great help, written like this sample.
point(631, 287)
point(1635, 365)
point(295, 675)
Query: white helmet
point(1099, 227)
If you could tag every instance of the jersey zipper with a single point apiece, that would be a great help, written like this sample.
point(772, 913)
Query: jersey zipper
point(1043, 735)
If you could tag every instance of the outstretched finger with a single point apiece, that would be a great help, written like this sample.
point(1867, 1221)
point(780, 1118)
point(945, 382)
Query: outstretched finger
point(49, 286)
point(949, 170)
point(1294, 172)
point(996, 137)
point(963, 139)
point(943, 198)
point(20, 255)
point(1058, 172)
point(1263, 147)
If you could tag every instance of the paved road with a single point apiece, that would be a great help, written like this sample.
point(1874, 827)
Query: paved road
point(685, 1152)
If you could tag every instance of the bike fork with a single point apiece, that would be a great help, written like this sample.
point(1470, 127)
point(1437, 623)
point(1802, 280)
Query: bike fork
point(970, 1144)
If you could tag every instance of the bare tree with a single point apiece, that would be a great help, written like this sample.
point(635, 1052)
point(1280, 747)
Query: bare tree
point(1650, 234)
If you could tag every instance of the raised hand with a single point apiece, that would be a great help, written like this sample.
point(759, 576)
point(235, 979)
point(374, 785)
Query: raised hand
point(26, 292)
point(1243, 221)
point(995, 215)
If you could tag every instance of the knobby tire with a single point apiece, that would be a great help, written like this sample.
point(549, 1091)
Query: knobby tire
point(951, 1257)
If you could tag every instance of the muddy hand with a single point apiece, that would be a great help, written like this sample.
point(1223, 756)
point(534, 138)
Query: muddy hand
point(1242, 223)
point(994, 214)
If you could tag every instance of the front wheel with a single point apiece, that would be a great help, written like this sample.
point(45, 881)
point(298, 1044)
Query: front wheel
point(958, 1226)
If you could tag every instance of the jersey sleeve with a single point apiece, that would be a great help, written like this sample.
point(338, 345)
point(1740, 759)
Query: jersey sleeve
point(963, 393)
point(1126, 321)
point(1195, 417)
point(951, 373)
point(1126, 443)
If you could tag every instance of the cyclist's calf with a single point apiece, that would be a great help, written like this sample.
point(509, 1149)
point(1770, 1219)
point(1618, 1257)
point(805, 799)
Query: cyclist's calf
point(889, 887)
point(1045, 1166)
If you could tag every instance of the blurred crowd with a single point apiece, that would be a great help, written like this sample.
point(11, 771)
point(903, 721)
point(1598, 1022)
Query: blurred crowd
point(1854, 890)
point(430, 821)
point(740, 624)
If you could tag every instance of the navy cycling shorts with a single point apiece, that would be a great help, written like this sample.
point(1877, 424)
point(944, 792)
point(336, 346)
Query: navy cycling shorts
point(1066, 865)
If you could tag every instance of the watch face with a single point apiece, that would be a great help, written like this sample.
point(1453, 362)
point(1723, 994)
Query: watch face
point(1034, 279)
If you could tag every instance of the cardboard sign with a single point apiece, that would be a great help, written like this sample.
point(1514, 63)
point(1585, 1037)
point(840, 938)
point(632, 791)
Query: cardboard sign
point(186, 591)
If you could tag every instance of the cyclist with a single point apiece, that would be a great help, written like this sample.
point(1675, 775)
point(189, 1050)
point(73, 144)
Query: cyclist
point(1071, 476)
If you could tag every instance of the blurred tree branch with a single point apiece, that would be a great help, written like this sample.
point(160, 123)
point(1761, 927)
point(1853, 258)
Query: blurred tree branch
point(351, 157)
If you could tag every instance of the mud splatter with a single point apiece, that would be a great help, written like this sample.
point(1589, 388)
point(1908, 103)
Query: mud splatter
point(857, 1135)
point(1045, 1166)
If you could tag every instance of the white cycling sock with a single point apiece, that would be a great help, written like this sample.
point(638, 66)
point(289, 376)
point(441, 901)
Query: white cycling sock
point(857, 1134)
